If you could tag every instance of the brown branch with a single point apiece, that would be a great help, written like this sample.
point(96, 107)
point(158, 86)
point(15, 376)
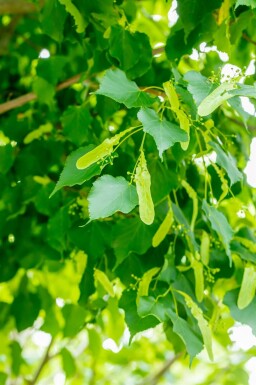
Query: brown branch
point(42, 365)
point(246, 37)
point(153, 380)
point(21, 100)
point(16, 7)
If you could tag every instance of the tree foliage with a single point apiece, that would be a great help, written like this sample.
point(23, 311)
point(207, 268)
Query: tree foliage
point(124, 204)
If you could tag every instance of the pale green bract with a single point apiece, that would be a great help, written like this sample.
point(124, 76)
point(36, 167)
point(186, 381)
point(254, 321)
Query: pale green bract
point(216, 98)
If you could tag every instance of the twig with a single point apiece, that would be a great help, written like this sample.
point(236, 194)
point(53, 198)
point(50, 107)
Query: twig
point(246, 37)
point(42, 365)
point(153, 380)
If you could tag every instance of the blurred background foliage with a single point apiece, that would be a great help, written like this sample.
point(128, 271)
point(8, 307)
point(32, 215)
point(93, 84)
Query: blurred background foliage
point(61, 321)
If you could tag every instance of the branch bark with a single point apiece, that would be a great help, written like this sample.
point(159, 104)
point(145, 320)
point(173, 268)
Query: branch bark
point(21, 100)
point(15, 7)
point(153, 380)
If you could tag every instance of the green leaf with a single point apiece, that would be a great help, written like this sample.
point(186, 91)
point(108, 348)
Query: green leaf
point(71, 175)
point(16, 351)
point(3, 378)
point(202, 324)
point(248, 3)
point(53, 11)
point(25, 309)
point(221, 226)
point(117, 86)
point(246, 316)
point(191, 340)
point(131, 235)
point(198, 85)
point(75, 121)
point(68, 363)
point(74, 316)
point(78, 18)
point(44, 90)
point(6, 158)
point(109, 195)
point(132, 50)
point(132, 319)
point(192, 12)
point(228, 163)
point(164, 133)
point(51, 69)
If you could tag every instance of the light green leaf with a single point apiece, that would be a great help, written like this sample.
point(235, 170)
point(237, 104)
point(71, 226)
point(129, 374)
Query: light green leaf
point(109, 195)
point(227, 162)
point(75, 121)
point(71, 175)
point(216, 98)
point(102, 278)
point(118, 87)
point(248, 3)
point(78, 18)
point(165, 133)
point(202, 323)
point(248, 287)
point(68, 363)
point(220, 225)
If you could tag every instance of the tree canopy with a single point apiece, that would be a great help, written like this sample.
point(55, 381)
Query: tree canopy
point(127, 225)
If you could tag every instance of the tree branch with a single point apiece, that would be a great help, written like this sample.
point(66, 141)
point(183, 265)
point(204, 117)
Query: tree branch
point(153, 380)
point(42, 365)
point(246, 37)
point(16, 7)
point(21, 100)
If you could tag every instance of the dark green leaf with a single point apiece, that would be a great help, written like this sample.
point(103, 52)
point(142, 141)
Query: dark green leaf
point(220, 225)
point(132, 319)
point(75, 121)
point(71, 175)
point(74, 316)
point(131, 235)
point(6, 158)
